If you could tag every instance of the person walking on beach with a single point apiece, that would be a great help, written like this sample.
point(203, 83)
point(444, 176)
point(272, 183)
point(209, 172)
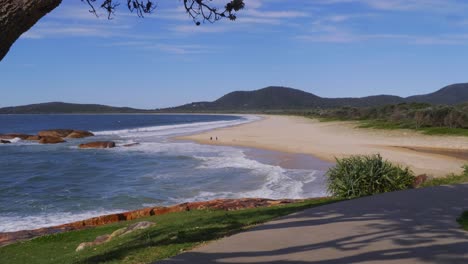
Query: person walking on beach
point(211, 138)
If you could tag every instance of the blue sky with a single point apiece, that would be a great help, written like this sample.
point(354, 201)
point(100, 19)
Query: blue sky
point(332, 48)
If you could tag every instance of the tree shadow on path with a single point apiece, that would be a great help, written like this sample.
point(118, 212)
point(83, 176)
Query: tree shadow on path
point(415, 226)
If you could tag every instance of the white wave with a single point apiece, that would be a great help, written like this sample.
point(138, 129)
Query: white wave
point(166, 130)
point(17, 223)
point(12, 140)
point(279, 182)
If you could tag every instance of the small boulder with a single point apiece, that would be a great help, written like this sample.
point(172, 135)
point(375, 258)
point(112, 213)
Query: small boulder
point(51, 140)
point(137, 226)
point(419, 180)
point(98, 144)
point(55, 133)
point(80, 134)
point(131, 145)
point(119, 232)
point(5, 141)
point(98, 241)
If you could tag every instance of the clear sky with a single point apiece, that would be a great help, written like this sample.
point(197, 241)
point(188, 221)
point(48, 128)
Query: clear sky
point(332, 48)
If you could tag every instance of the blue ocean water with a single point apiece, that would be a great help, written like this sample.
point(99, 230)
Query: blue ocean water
point(44, 185)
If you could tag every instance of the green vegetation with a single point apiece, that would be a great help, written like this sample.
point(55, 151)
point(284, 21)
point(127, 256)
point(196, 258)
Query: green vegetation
point(358, 176)
point(450, 179)
point(172, 234)
point(429, 119)
point(463, 220)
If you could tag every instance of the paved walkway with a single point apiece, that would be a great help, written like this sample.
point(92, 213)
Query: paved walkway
point(415, 226)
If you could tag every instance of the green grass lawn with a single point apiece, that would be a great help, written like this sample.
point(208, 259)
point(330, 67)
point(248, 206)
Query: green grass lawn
point(172, 234)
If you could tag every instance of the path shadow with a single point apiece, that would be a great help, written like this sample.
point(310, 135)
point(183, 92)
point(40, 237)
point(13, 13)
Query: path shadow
point(418, 226)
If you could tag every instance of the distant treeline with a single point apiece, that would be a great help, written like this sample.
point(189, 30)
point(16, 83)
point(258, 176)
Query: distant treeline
point(406, 115)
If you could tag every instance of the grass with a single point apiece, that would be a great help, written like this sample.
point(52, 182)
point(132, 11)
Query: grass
point(387, 125)
point(172, 234)
point(450, 179)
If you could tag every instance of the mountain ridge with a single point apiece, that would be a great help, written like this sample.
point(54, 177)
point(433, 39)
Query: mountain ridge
point(268, 98)
point(280, 98)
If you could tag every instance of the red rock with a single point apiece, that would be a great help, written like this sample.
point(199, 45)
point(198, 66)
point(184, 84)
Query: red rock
point(51, 140)
point(15, 135)
point(219, 204)
point(80, 134)
point(33, 138)
point(98, 144)
point(55, 133)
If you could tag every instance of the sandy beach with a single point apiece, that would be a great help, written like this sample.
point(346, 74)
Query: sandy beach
point(434, 155)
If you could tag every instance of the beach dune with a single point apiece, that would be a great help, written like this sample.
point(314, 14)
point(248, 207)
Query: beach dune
point(433, 155)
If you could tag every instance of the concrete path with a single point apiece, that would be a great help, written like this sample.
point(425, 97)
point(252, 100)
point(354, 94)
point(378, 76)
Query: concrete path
point(415, 226)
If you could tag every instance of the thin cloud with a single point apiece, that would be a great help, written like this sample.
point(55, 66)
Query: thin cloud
point(404, 5)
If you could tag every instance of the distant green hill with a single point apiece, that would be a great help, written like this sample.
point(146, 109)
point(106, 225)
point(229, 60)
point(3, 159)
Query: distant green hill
point(449, 95)
point(67, 108)
point(269, 98)
point(282, 98)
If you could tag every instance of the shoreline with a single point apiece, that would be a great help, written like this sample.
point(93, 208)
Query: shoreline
point(7, 238)
point(424, 154)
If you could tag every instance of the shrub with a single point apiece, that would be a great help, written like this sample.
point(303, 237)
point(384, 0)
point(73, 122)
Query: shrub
point(358, 176)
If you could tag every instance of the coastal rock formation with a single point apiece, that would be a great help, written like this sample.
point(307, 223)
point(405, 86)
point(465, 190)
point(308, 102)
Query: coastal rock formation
point(51, 140)
point(219, 204)
point(80, 134)
point(98, 144)
point(33, 138)
point(117, 233)
point(15, 135)
point(55, 133)
point(5, 141)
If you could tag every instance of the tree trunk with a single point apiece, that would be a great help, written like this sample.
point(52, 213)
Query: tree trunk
point(17, 16)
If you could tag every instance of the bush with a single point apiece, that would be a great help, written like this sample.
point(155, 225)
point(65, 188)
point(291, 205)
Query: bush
point(358, 176)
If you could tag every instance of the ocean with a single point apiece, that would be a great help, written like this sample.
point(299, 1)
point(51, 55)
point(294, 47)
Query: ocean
point(46, 185)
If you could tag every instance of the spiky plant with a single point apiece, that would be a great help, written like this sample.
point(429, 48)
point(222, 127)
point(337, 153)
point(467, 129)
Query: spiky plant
point(358, 176)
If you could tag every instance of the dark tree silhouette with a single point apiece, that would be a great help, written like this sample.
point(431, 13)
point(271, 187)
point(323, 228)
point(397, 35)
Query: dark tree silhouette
point(18, 16)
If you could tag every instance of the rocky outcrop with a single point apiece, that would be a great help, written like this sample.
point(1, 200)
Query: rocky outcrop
point(3, 141)
point(15, 135)
point(33, 138)
point(219, 204)
point(117, 233)
point(52, 136)
point(18, 16)
point(51, 140)
point(98, 145)
point(55, 133)
point(80, 134)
